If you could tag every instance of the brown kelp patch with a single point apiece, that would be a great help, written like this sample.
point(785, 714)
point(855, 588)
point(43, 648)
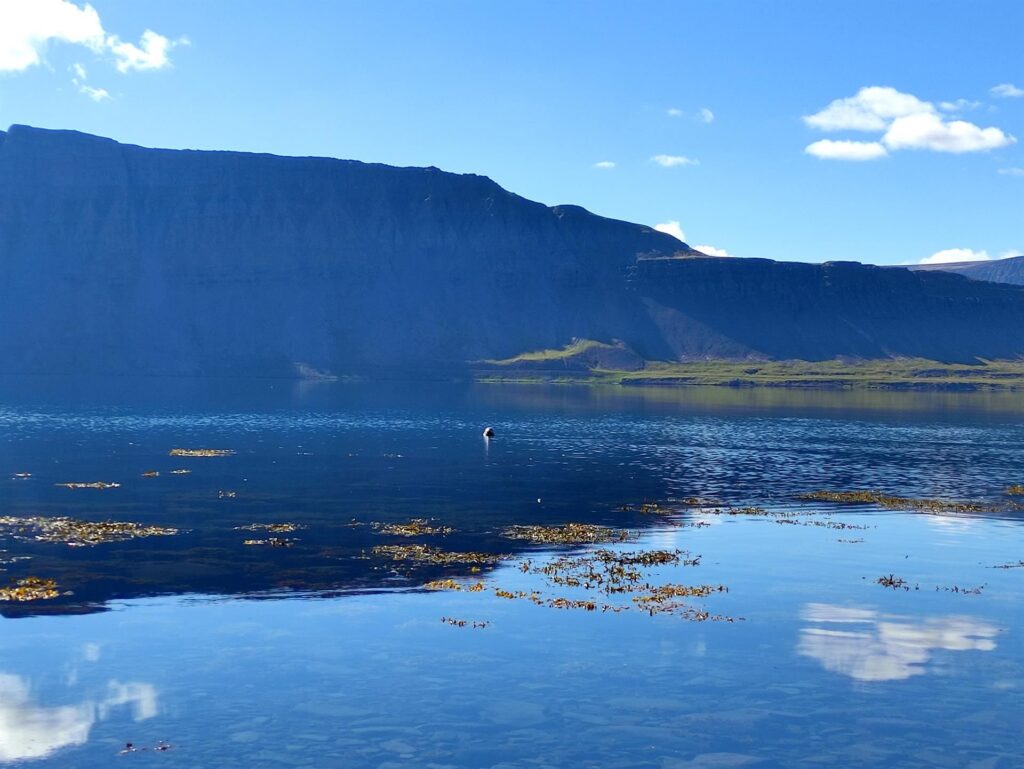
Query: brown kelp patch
point(891, 502)
point(30, 589)
point(271, 542)
point(90, 485)
point(470, 623)
point(568, 534)
point(416, 527)
point(606, 577)
point(273, 528)
point(433, 555)
point(201, 452)
point(76, 533)
point(891, 580)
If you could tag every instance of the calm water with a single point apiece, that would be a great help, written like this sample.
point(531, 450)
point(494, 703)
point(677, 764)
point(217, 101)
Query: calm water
point(325, 655)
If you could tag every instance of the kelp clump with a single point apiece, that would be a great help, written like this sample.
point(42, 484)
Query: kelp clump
point(91, 485)
point(568, 534)
point(271, 542)
point(201, 452)
point(433, 555)
point(30, 589)
point(415, 527)
point(274, 528)
point(76, 533)
point(891, 502)
point(1015, 490)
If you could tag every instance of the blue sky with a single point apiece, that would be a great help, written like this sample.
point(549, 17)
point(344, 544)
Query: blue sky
point(534, 94)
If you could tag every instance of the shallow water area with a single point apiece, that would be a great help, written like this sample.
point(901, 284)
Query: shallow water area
point(180, 645)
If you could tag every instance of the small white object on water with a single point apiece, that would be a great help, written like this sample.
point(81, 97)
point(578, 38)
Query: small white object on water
point(488, 432)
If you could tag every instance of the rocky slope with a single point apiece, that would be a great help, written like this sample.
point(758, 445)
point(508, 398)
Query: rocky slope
point(121, 259)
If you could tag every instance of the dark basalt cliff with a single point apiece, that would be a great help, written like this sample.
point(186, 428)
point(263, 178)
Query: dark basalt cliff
point(121, 259)
point(1007, 270)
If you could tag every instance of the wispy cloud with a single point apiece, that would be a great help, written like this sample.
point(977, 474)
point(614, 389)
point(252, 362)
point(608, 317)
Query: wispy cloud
point(28, 27)
point(672, 228)
point(1011, 171)
point(706, 115)
point(674, 112)
point(78, 76)
point(674, 161)
point(605, 164)
point(905, 122)
point(843, 149)
point(1006, 91)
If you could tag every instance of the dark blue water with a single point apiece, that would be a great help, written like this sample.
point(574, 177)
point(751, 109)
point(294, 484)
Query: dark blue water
point(326, 654)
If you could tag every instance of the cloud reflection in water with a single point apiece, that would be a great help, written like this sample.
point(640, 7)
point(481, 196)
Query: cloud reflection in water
point(866, 646)
point(29, 730)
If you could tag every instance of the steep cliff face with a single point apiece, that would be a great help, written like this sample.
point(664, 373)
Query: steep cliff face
point(736, 308)
point(1007, 270)
point(123, 259)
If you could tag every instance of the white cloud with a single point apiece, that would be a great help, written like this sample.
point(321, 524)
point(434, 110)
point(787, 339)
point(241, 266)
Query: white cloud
point(1011, 171)
point(845, 150)
point(28, 27)
point(930, 132)
point(605, 164)
point(871, 109)
point(712, 251)
point(706, 115)
point(904, 121)
point(151, 53)
point(671, 228)
point(1006, 91)
point(672, 161)
point(949, 255)
point(673, 112)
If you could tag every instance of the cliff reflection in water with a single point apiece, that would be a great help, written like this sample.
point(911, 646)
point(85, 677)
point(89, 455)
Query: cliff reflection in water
point(868, 646)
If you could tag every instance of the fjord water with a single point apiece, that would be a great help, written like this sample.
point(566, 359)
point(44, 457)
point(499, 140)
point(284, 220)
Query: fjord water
point(323, 655)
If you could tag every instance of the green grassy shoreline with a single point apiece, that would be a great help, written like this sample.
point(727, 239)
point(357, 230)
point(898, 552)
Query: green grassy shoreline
point(895, 374)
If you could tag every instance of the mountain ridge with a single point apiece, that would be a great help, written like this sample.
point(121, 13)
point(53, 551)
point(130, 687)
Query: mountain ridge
point(124, 259)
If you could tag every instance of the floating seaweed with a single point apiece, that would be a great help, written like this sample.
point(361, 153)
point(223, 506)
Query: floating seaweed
point(201, 452)
point(891, 580)
point(891, 502)
point(961, 590)
point(569, 534)
point(180, 471)
point(1015, 490)
point(92, 485)
point(477, 624)
point(271, 542)
point(850, 541)
point(75, 533)
point(414, 528)
point(1018, 565)
point(274, 528)
point(433, 555)
point(227, 494)
point(151, 474)
point(30, 589)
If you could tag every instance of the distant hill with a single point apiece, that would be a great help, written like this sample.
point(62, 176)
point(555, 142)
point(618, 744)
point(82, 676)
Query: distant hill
point(1008, 270)
point(122, 259)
